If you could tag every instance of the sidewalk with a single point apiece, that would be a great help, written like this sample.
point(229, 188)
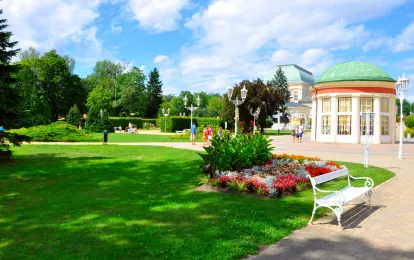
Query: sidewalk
point(385, 232)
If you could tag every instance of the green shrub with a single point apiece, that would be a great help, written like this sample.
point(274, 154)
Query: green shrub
point(147, 123)
point(73, 116)
point(236, 153)
point(178, 123)
point(124, 121)
point(409, 121)
point(35, 120)
point(409, 130)
point(56, 132)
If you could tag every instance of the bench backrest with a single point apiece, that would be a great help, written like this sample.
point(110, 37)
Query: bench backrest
point(329, 176)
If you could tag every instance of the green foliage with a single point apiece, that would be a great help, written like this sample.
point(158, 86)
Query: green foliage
point(409, 121)
point(178, 123)
point(236, 153)
point(409, 131)
point(406, 107)
point(99, 98)
point(55, 132)
point(48, 81)
point(154, 94)
point(124, 121)
point(98, 121)
point(203, 179)
point(74, 116)
point(132, 88)
point(10, 97)
point(7, 138)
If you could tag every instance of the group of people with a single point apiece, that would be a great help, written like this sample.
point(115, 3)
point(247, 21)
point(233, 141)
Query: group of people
point(297, 133)
point(207, 134)
point(131, 128)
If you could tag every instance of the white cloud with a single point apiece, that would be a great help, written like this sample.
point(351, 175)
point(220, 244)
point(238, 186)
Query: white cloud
point(282, 56)
point(407, 64)
point(157, 15)
point(115, 27)
point(245, 39)
point(45, 24)
point(404, 41)
point(161, 59)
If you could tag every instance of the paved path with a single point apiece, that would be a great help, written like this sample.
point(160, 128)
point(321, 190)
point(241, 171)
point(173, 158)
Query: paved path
point(386, 232)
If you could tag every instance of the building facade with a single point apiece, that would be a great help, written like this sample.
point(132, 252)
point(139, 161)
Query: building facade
point(299, 81)
point(341, 97)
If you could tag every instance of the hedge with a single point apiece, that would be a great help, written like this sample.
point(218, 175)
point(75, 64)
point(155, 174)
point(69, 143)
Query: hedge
point(409, 130)
point(149, 120)
point(124, 121)
point(177, 123)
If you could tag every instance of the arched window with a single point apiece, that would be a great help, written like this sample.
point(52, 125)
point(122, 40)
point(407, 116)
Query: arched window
point(295, 96)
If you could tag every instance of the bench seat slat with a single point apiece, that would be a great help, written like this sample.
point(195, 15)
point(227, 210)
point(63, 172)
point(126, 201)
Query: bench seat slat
point(350, 193)
point(330, 176)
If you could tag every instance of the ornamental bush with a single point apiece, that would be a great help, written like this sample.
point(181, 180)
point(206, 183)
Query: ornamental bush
point(236, 153)
point(409, 131)
point(409, 121)
point(73, 116)
point(179, 123)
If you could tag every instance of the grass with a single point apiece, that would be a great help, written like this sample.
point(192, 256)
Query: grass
point(113, 202)
point(129, 138)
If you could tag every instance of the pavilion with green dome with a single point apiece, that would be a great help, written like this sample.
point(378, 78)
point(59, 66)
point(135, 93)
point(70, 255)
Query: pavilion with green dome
point(341, 96)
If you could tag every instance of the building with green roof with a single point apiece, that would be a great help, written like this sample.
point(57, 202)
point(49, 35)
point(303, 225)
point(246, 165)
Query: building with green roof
point(342, 98)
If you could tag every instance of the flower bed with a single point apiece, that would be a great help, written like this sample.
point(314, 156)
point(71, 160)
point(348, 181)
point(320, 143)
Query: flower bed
point(281, 176)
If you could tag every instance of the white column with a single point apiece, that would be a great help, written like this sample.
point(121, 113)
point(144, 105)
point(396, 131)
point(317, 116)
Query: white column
point(377, 120)
point(314, 120)
point(334, 118)
point(392, 119)
point(355, 128)
point(319, 119)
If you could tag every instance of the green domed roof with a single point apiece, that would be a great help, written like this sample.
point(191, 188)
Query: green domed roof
point(354, 71)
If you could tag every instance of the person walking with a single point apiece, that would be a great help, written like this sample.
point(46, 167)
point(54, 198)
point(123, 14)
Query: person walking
point(300, 131)
point(193, 133)
point(205, 135)
point(209, 135)
point(293, 134)
point(220, 133)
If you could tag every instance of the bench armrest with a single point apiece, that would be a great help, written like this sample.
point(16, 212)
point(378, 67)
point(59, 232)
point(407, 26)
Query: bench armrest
point(369, 183)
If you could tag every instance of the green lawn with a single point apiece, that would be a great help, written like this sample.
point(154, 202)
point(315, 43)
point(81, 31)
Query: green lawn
point(121, 202)
point(119, 138)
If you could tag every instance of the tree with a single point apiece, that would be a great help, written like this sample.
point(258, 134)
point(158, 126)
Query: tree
point(154, 94)
point(406, 107)
point(412, 108)
point(99, 98)
point(70, 63)
point(279, 90)
point(216, 105)
point(74, 116)
point(133, 96)
point(29, 54)
point(9, 96)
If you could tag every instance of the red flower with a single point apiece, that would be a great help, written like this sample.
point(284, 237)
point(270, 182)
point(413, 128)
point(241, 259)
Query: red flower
point(240, 123)
point(331, 163)
point(316, 171)
point(223, 180)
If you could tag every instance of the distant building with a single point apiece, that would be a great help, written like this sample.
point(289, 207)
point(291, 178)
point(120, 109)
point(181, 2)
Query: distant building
point(299, 80)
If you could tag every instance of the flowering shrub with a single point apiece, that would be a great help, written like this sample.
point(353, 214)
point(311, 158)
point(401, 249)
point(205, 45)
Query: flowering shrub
point(278, 177)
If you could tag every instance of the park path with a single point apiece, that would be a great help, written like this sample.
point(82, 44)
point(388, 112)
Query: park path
point(385, 232)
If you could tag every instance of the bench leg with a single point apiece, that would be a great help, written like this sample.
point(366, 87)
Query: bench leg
point(310, 223)
point(338, 212)
point(369, 194)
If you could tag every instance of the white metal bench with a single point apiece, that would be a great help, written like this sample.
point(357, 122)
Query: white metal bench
point(337, 199)
point(181, 132)
point(117, 128)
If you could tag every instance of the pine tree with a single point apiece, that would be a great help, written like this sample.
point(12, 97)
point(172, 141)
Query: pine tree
point(9, 96)
point(281, 84)
point(73, 116)
point(98, 120)
point(154, 94)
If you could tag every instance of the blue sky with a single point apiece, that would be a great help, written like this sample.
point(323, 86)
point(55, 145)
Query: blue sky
point(210, 45)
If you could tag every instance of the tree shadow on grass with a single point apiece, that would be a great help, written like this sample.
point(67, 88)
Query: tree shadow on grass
point(132, 207)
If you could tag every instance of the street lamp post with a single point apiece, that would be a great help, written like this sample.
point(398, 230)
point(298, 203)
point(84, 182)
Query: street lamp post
point(401, 86)
point(237, 103)
point(165, 117)
point(191, 108)
point(255, 115)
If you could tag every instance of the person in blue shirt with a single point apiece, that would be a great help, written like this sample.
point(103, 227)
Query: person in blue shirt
point(193, 133)
point(1, 128)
